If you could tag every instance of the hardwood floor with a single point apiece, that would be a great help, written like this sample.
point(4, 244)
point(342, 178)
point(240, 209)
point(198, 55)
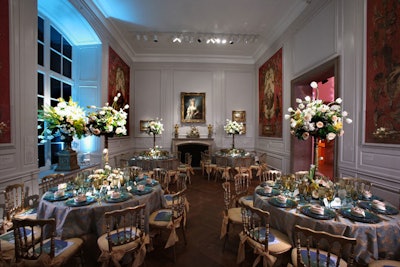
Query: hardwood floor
point(204, 247)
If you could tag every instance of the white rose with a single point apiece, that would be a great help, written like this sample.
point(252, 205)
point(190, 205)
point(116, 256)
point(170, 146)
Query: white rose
point(314, 85)
point(330, 136)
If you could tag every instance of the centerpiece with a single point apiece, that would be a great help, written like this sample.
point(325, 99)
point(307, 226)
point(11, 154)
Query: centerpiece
point(233, 128)
point(64, 121)
point(108, 122)
point(316, 119)
point(153, 128)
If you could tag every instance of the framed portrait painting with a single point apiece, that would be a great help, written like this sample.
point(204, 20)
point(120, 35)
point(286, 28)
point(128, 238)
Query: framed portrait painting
point(270, 96)
point(239, 115)
point(193, 107)
point(118, 82)
point(382, 123)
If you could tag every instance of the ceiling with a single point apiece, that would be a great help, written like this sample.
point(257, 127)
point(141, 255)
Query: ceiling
point(251, 25)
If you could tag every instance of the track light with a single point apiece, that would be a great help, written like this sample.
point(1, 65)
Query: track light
point(191, 37)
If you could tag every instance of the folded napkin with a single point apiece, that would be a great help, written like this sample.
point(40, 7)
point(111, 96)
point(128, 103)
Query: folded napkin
point(317, 209)
point(281, 199)
point(379, 205)
point(367, 194)
point(356, 211)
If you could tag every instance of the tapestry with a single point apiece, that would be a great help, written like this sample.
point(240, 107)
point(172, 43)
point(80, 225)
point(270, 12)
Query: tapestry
point(383, 72)
point(270, 96)
point(118, 82)
point(5, 112)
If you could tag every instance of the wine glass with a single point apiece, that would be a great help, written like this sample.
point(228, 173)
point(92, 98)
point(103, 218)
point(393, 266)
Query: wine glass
point(354, 196)
point(330, 196)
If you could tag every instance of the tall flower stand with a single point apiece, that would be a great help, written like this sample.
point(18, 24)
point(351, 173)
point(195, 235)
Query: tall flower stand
point(154, 140)
point(67, 158)
point(233, 141)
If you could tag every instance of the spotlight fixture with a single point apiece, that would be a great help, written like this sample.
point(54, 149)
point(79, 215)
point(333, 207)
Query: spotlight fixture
point(177, 39)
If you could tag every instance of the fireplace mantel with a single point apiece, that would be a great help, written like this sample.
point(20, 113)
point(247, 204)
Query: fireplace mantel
point(185, 141)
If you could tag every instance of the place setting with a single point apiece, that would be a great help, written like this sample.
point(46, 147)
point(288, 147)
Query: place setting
point(149, 182)
point(80, 200)
point(116, 196)
point(281, 201)
point(140, 189)
point(317, 211)
point(357, 214)
point(379, 207)
point(59, 195)
point(267, 191)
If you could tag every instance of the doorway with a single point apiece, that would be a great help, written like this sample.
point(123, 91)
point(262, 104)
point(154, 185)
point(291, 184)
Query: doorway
point(301, 156)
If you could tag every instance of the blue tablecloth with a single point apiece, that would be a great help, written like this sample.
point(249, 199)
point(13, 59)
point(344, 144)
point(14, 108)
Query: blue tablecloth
point(374, 241)
point(77, 221)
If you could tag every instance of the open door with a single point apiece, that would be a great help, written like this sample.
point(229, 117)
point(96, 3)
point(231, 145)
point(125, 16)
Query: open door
point(301, 155)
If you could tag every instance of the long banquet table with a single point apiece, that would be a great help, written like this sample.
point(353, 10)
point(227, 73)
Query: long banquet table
point(374, 241)
point(89, 219)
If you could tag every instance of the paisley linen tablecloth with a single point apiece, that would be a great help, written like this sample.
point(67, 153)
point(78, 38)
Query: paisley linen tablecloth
point(77, 221)
point(374, 241)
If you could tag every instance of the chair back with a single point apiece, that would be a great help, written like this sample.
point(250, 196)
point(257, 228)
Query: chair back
point(228, 203)
point(50, 181)
point(181, 182)
point(178, 206)
point(271, 175)
point(322, 247)
point(161, 176)
point(28, 246)
point(14, 199)
point(256, 224)
point(125, 226)
point(188, 159)
point(31, 201)
point(242, 182)
point(300, 174)
point(134, 171)
point(263, 158)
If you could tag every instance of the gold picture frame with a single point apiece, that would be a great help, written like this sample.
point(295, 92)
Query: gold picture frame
point(143, 125)
point(193, 107)
point(239, 115)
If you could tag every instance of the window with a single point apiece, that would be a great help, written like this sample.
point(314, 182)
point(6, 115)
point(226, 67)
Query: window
point(54, 81)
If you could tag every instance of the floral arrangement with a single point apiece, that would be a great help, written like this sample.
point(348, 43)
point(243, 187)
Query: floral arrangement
point(155, 127)
point(107, 120)
point(66, 119)
point(106, 177)
point(313, 117)
point(233, 127)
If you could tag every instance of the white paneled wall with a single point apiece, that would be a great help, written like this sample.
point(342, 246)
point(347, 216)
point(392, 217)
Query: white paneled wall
point(158, 88)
